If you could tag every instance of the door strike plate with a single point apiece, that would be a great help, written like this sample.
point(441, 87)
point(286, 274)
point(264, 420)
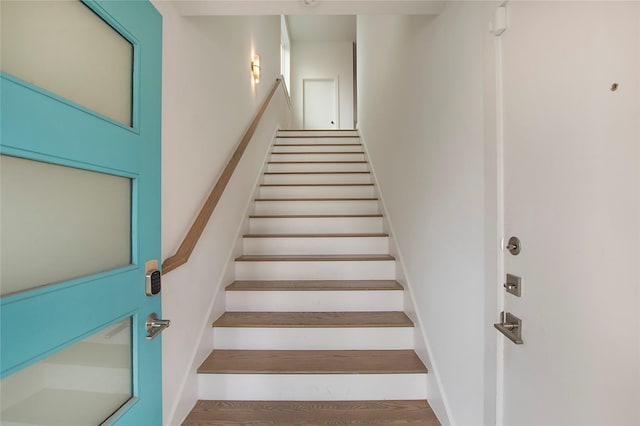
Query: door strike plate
point(513, 285)
point(511, 326)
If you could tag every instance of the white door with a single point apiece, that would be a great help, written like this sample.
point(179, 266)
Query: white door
point(571, 194)
point(320, 105)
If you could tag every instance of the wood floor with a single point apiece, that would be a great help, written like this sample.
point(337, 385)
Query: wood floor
point(314, 285)
point(313, 319)
point(312, 362)
point(214, 413)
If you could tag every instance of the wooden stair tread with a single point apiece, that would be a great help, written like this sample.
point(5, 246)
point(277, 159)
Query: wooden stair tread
point(315, 235)
point(317, 199)
point(317, 130)
point(318, 152)
point(317, 162)
point(317, 136)
point(318, 144)
point(312, 362)
point(313, 319)
point(314, 258)
point(316, 173)
point(315, 285)
point(313, 216)
point(216, 413)
point(314, 184)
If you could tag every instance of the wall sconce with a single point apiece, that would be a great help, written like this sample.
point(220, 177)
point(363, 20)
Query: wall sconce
point(255, 68)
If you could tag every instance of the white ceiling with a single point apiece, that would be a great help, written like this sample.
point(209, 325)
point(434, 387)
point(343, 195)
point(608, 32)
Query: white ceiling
point(317, 7)
point(322, 27)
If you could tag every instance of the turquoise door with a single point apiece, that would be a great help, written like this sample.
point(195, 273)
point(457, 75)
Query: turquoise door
point(80, 212)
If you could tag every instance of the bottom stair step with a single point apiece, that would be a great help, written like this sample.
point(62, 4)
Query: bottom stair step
point(211, 413)
point(312, 375)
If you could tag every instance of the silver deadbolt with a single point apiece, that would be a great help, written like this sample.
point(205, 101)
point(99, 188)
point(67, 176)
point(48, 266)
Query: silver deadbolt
point(155, 325)
point(513, 245)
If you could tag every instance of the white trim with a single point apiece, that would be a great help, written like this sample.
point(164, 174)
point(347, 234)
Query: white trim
point(500, 225)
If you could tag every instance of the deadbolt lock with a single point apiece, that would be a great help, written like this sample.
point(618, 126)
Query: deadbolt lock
point(513, 245)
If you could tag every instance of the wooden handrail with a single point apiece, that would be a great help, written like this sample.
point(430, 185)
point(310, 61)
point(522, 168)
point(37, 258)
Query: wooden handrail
point(191, 239)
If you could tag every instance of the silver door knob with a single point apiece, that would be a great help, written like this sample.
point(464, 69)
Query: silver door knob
point(511, 326)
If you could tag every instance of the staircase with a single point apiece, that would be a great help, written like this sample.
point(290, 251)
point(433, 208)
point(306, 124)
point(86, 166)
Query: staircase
point(314, 331)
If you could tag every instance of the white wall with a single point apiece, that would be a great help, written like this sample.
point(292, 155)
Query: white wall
point(209, 99)
point(421, 114)
point(323, 60)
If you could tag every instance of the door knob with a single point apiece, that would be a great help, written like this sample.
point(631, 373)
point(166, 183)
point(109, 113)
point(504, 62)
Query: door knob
point(511, 326)
point(155, 325)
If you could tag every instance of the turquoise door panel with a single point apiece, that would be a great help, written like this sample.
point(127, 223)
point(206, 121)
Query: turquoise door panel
point(38, 125)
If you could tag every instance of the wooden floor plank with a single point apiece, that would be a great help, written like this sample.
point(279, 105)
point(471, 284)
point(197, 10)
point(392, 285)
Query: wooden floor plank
point(312, 362)
point(317, 136)
point(278, 185)
point(315, 235)
point(318, 199)
point(314, 258)
point(215, 413)
point(317, 162)
point(317, 152)
point(315, 285)
point(318, 173)
point(314, 216)
point(313, 319)
point(318, 144)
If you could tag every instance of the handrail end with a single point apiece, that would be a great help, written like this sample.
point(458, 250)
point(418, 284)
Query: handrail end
point(173, 262)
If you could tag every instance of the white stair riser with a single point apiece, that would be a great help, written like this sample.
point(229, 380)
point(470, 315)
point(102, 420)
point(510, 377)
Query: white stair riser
point(318, 167)
point(343, 147)
point(317, 132)
point(318, 270)
point(303, 207)
point(317, 178)
point(316, 245)
point(321, 225)
point(388, 338)
point(311, 387)
point(305, 156)
point(314, 301)
point(356, 191)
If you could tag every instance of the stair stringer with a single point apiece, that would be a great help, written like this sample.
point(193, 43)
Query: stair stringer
point(183, 405)
point(436, 398)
